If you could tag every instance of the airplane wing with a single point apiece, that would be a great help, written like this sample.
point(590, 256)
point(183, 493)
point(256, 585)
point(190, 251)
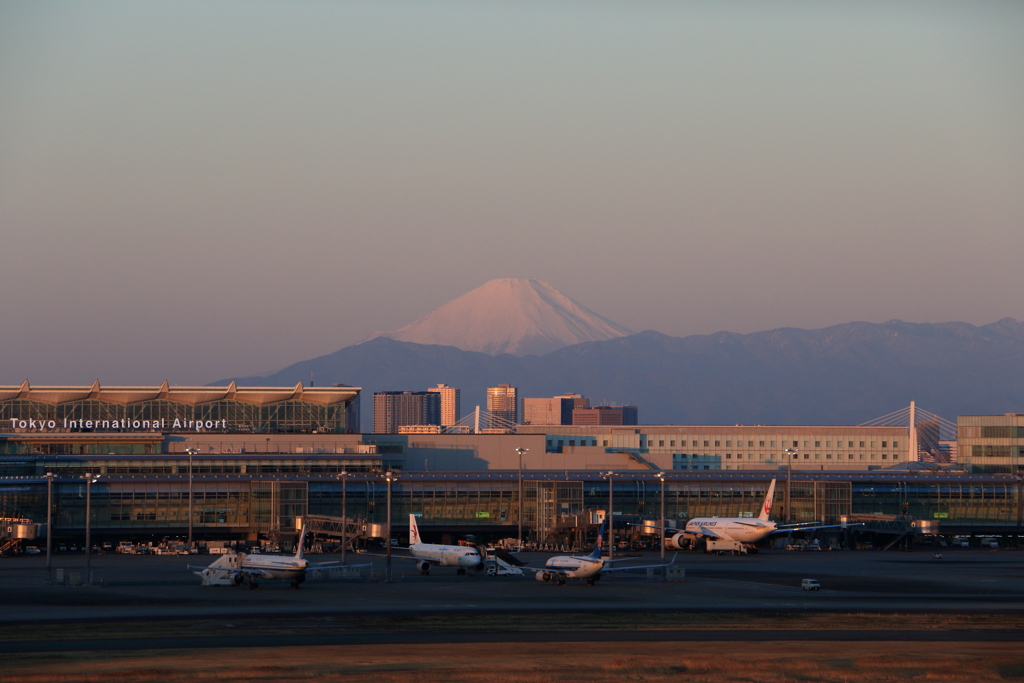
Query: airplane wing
point(399, 557)
point(796, 527)
point(231, 570)
point(642, 566)
point(715, 534)
point(331, 565)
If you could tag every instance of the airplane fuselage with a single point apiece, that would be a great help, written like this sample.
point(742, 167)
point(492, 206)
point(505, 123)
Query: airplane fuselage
point(744, 530)
point(282, 568)
point(575, 567)
point(446, 555)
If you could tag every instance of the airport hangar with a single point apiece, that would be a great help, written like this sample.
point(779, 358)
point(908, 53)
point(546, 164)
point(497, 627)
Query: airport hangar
point(258, 457)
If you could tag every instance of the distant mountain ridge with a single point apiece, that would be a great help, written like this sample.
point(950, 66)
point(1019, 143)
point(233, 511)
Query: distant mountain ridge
point(844, 374)
point(521, 317)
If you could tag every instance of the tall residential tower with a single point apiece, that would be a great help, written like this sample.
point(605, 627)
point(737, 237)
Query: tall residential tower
point(451, 411)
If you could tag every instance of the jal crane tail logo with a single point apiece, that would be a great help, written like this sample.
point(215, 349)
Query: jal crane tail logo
point(767, 505)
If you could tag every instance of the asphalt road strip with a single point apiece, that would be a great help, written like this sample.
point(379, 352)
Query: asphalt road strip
point(222, 639)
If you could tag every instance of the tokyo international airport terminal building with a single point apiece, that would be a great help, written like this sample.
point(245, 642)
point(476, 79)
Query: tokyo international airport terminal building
point(257, 458)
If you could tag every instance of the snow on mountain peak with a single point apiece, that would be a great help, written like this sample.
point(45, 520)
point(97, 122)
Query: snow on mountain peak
point(507, 315)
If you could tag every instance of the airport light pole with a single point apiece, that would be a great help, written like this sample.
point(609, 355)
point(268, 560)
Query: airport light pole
point(789, 481)
point(389, 476)
point(343, 475)
point(50, 476)
point(610, 517)
point(89, 480)
point(661, 477)
point(191, 452)
point(519, 517)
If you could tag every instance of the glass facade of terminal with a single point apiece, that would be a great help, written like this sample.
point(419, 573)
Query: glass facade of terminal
point(150, 496)
point(173, 417)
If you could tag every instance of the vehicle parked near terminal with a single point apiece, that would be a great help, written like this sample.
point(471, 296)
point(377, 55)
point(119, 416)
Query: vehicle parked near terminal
point(727, 547)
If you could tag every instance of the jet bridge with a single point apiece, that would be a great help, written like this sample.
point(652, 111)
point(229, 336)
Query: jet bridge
point(349, 529)
point(897, 526)
point(15, 530)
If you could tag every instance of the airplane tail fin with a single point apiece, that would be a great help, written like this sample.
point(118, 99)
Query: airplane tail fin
point(766, 509)
point(599, 544)
point(414, 531)
point(302, 540)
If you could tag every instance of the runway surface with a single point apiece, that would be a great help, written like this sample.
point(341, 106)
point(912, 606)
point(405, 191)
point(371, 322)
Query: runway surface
point(154, 592)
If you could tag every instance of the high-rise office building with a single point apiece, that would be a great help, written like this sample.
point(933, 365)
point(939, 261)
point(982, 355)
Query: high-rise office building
point(605, 415)
point(556, 410)
point(503, 403)
point(394, 409)
point(451, 410)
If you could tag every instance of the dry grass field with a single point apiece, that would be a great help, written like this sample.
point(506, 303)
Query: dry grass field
point(593, 662)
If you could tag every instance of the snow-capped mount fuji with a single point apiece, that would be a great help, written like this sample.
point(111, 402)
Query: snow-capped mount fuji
point(520, 317)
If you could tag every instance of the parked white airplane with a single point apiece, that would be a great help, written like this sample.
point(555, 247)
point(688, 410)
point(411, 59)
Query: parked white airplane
point(427, 554)
point(558, 569)
point(741, 529)
point(234, 568)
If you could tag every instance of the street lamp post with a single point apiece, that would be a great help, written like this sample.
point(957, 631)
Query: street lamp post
point(89, 480)
point(789, 479)
point(520, 451)
point(191, 452)
point(343, 475)
point(389, 476)
point(611, 518)
point(661, 476)
point(50, 476)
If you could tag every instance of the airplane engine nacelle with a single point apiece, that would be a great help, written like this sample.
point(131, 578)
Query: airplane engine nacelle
point(543, 576)
point(678, 542)
point(237, 579)
point(424, 566)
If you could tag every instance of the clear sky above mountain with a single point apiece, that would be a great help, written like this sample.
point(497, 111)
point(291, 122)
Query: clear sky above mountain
point(194, 190)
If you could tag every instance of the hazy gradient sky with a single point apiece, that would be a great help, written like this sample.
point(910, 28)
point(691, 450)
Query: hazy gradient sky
point(191, 191)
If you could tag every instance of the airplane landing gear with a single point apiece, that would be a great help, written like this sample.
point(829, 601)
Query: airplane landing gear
point(295, 584)
point(461, 571)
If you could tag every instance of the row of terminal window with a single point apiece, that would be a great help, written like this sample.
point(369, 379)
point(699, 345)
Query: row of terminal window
point(796, 444)
point(728, 443)
point(796, 456)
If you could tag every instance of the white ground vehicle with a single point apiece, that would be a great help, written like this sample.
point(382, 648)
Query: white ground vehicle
point(810, 585)
point(726, 547)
